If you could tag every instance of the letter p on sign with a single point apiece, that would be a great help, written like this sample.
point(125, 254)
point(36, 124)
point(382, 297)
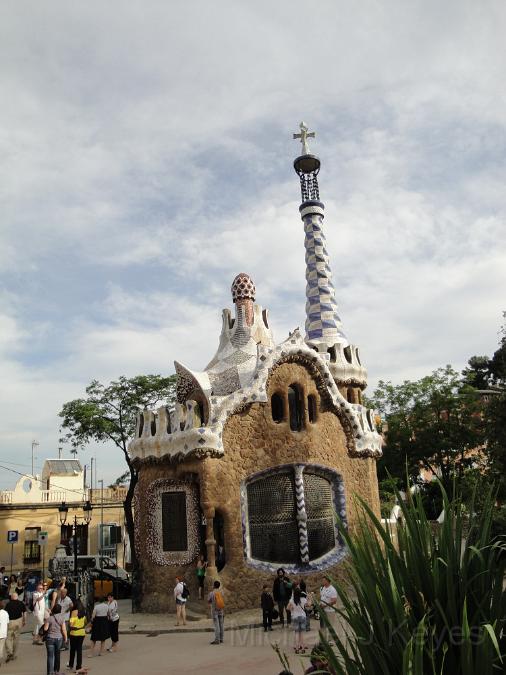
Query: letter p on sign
point(12, 536)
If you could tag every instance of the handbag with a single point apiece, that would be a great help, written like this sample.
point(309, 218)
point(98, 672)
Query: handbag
point(43, 633)
point(275, 614)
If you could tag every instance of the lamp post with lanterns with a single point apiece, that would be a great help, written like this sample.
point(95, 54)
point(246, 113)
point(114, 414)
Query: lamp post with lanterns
point(63, 510)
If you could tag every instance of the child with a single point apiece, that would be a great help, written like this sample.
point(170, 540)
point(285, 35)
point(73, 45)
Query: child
point(267, 605)
point(296, 607)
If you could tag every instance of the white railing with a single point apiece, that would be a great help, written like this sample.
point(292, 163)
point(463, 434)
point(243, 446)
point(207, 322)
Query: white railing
point(6, 497)
point(60, 496)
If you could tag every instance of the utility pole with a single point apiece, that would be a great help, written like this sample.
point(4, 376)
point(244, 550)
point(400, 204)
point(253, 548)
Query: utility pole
point(101, 530)
point(34, 445)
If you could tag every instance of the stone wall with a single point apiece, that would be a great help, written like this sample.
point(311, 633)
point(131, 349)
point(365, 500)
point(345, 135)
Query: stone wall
point(253, 442)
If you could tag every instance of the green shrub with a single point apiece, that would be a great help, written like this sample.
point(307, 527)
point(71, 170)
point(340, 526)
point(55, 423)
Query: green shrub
point(432, 604)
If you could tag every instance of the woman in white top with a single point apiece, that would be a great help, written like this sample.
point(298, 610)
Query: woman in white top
point(296, 607)
point(39, 610)
point(180, 601)
point(113, 618)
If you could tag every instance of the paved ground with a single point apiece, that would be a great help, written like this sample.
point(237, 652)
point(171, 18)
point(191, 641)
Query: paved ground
point(150, 644)
point(244, 651)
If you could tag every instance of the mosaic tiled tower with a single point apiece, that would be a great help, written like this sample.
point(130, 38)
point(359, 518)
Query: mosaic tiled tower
point(324, 330)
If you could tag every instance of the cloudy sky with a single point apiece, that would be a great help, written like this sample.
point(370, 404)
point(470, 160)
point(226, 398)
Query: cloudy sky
point(146, 158)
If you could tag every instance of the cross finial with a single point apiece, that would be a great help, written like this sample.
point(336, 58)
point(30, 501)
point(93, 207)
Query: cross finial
point(304, 135)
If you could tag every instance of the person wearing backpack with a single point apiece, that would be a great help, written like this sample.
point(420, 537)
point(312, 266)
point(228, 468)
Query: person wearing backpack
point(217, 605)
point(181, 595)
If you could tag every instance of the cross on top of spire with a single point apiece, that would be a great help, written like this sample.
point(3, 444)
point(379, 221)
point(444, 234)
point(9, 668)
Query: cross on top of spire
point(304, 135)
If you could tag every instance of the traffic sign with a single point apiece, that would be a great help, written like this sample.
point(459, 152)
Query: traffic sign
point(12, 536)
point(42, 538)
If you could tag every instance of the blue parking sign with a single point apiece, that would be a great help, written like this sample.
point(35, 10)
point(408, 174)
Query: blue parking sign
point(12, 536)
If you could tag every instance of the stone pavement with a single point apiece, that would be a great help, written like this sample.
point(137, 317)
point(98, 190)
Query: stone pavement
point(245, 651)
point(197, 617)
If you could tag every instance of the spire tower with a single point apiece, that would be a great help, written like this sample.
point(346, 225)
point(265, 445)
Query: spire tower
point(324, 331)
point(323, 324)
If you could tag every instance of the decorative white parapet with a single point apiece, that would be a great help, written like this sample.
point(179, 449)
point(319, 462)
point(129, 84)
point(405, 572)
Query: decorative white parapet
point(156, 438)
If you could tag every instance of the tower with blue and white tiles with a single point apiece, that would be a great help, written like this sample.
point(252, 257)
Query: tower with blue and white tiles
point(324, 331)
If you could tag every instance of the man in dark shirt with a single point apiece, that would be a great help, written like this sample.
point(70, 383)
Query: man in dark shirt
point(17, 619)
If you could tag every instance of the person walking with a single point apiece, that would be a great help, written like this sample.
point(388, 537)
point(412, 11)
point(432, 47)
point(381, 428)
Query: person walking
point(201, 574)
point(328, 600)
point(281, 592)
point(11, 585)
point(31, 583)
point(99, 626)
point(267, 605)
point(180, 597)
point(56, 633)
point(113, 618)
point(308, 607)
point(17, 619)
point(39, 611)
point(4, 623)
point(296, 607)
point(77, 625)
point(66, 605)
point(217, 605)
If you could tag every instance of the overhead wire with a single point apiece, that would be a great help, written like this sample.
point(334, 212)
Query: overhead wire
point(26, 475)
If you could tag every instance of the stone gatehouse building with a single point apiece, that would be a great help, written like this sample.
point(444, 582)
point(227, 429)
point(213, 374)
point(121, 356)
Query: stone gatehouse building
point(264, 446)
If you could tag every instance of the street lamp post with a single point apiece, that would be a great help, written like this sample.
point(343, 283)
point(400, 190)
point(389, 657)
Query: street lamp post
point(63, 512)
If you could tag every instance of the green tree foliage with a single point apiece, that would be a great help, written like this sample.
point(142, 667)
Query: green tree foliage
point(496, 415)
point(433, 602)
point(108, 413)
point(477, 373)
point(434, 423)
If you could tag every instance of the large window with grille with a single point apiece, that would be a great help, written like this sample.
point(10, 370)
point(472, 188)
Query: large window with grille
point(290, 515)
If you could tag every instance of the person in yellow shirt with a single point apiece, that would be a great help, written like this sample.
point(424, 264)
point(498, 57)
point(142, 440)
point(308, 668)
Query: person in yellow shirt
point(77, 624)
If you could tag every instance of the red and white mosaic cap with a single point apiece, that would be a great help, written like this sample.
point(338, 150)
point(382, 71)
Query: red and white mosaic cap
point(243, 288)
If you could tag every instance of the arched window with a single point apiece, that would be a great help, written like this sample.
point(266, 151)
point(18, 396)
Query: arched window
point(277, 408)
point(332, 352)
point(311, 408)
point(295, 407)
point(279, 502)
point(347, 354)
point(153, 425)
point(199, 413)
point(349, 394)
point(141, 424)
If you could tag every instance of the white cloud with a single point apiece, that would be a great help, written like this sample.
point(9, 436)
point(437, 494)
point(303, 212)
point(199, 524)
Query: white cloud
point(146, 159)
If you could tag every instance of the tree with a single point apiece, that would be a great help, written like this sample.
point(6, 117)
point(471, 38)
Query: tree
point(434, 423)
point(477, 373)
point(108, 413)
point(496, 415)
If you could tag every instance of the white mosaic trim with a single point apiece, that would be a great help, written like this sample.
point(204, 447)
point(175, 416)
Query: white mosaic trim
point(154, 533)
point(363, 439)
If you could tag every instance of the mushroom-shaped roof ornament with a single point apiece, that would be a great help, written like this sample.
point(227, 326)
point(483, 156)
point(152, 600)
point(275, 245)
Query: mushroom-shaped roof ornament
point(243, 288)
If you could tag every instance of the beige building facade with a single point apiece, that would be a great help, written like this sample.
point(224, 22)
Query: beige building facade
point(31, 507)
point(265, 448)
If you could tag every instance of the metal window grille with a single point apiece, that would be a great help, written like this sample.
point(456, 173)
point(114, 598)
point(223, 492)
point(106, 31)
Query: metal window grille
point(174, 522)
point(320, 515)
point(273, 519)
